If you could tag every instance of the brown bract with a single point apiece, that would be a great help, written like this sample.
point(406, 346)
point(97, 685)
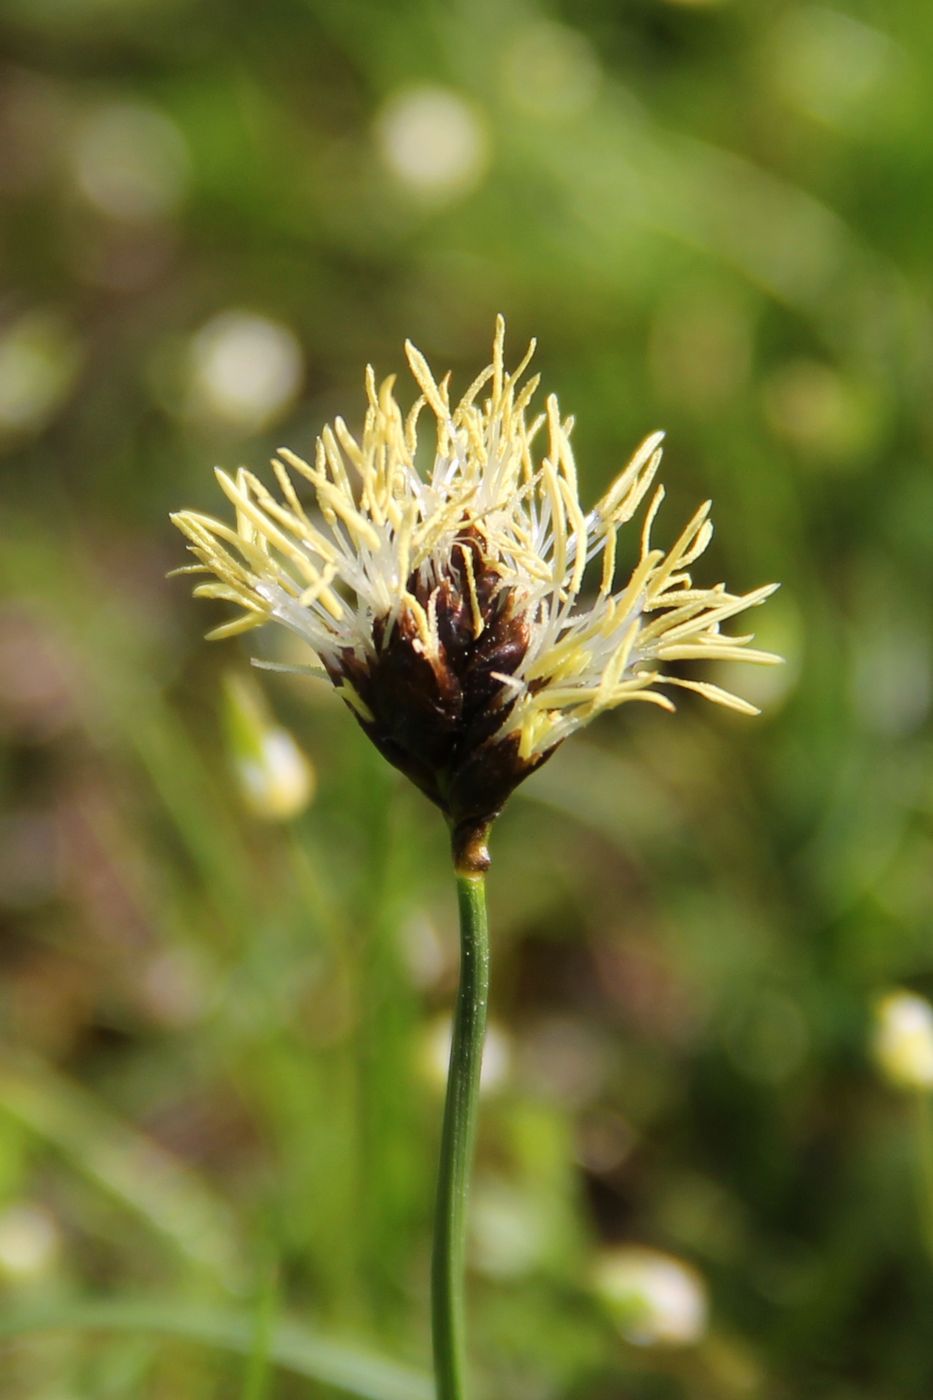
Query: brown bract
point(436, 716)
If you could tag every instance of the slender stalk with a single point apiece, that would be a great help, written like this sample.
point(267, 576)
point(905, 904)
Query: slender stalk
point(457, 1139)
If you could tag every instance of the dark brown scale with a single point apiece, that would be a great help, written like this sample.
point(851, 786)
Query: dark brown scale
point(435, 720)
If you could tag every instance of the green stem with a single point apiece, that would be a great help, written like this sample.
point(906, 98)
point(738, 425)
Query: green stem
point(459, 1132)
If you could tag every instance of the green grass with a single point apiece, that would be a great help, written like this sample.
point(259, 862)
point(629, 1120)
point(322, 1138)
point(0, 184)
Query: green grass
point(218, 1116)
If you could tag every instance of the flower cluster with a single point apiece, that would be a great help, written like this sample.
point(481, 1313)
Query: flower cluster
point(469, 615)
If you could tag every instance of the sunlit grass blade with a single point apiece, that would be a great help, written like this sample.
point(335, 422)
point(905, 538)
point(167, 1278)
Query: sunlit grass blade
point(290, 1347)
point(122, 1162)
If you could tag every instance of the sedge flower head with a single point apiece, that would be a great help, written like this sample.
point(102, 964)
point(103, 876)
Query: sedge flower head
point(470, 615)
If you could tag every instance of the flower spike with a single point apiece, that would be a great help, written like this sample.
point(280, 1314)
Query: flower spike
point(453, 611)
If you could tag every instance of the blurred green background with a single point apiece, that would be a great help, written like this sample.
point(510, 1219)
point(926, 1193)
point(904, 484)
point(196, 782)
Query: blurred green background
point(221, 1027)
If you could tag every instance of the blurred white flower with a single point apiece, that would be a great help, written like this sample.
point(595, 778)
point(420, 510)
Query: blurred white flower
point(432, 140)
point(39, 359)
point(245, 369)
point(278, 783)
point(497, 1055)
point(509, 1229)
point(29, 1241)
point(902, 1043)
point(275, 778)
point(654, 1298)
point(131, 161)
point(423, 949)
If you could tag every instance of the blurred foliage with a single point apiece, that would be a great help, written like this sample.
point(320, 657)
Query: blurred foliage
point(218, 1084)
